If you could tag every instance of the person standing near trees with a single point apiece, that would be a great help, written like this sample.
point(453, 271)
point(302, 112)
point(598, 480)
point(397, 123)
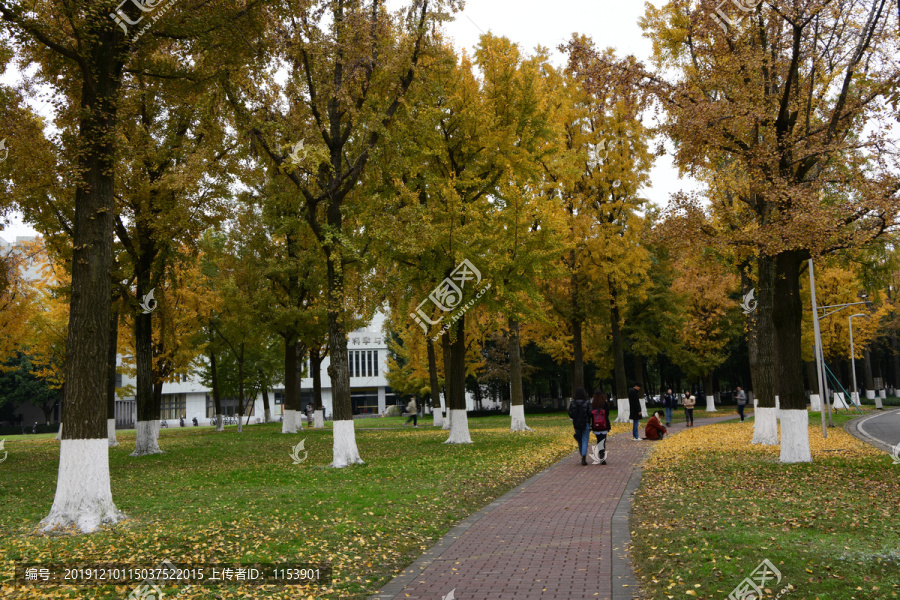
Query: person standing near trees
point(741, 402)
point(669, 403)
point(413, 410)
point(600, 423)
point(634, 409)
point(580, 413)
point(689, 403)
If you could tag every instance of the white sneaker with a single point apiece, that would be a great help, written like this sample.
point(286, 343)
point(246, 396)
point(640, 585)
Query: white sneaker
point(635, 439)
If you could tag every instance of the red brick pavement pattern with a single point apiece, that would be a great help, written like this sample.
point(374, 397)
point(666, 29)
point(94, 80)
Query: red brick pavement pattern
point(552, 540)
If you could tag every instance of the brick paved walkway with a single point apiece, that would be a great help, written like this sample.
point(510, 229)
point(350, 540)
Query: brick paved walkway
point(559, 535)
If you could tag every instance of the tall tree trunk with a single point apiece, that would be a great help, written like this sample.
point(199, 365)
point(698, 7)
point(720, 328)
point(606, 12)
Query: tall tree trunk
point(516, 398)
point(267, 411)
point(344, 450)
point(459, 420)
point(291, 421)
point(240, 362)
point(83, 495)
point(147, 426)
point(895, 359)
point(434, 384)
point(618, 358)
point(315, 365)
point(870, 381)
point(710, 395)
point(788, 317)
point(448, 378)
point(812, 377)
point(762, 345)
point(112, 346)
point(217, 397)
point(577, 355)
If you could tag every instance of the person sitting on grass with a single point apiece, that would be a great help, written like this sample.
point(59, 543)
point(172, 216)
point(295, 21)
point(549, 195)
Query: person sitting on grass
point(654, 429)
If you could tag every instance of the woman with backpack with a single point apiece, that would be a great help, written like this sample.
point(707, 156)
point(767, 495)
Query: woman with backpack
point(580, 413)
point(600, 423)
point(689, 402)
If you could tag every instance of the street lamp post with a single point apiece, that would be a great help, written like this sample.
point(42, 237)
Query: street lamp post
point(853, 357)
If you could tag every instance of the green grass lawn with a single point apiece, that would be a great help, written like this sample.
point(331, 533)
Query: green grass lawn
point(227, 497)
point(711, 507)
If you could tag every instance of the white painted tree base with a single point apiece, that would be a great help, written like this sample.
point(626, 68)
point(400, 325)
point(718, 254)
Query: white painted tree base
point(624, 415)
point(147, 441)
point(870, 394)
point(220, 423)
point(882, 394)
point(517, 418)
point(459, 427)
point(644, 412)
point(854, 398)
point(795, 436)
point(267, 416)
point(765, 426)
point(839, 401)
point(815, 403)
point(291, 423)
point(345, 452)
point(111, 433)
point(446, 424)
point(83, 495)
point(319, 419)
point(59, 433)
point(438, 417)
point(711, 404)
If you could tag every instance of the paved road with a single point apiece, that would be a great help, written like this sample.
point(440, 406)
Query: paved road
point(882, 428)
point(563, 534)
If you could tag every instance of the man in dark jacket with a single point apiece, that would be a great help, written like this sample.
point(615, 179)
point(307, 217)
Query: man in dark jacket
point(669, 403)
point(634, 408)
point(580, 413)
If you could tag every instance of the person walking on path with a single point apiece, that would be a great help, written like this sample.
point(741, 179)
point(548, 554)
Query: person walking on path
point(413, 410)
point(600, 423)
point(741, 402)
point(634, 409)
point(310, 412)
point(654, 429)
point(580, 413)
point(669, 402)
point(689, 402)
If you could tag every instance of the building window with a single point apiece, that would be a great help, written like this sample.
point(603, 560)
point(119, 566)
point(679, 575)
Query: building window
point(375, 353)
point(279, 396)
point(173, 406)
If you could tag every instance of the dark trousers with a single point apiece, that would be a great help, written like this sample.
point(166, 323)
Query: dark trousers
point(689, 415)
point(741, 411)
point(414, 418)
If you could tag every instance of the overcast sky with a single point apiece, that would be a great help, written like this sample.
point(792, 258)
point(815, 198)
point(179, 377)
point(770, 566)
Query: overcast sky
point(530, 23)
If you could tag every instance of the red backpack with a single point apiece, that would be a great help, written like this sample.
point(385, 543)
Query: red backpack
point(598, 420)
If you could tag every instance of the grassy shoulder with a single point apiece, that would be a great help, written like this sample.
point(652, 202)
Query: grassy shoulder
point(239, 498)
point(712, 506)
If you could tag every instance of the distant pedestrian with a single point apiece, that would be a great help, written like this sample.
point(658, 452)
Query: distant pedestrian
point(600, 423)
point(689, 403)
point(34, 428)
point(741, 402)
point(310, 410)
point(634, 409)
point(669, 403)
point(413, 410)
point(580, 413)
point(654, 429)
